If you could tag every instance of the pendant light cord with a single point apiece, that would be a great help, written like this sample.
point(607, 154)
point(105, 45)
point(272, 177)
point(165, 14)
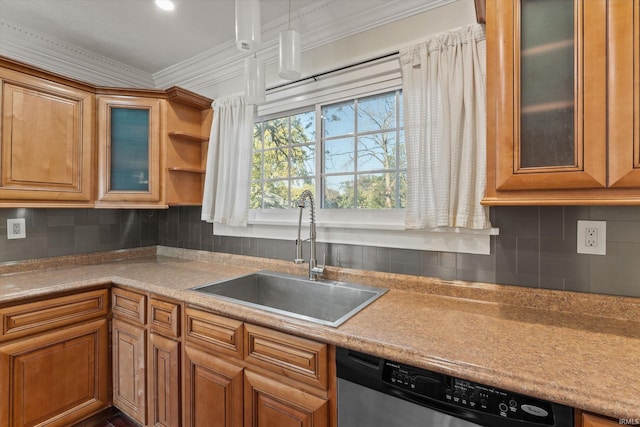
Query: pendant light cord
point(289, 14)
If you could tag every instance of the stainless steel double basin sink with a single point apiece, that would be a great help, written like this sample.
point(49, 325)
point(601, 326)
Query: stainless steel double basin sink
point(323, 301)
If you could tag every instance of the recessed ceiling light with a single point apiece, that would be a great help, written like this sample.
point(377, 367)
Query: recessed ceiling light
point(165, 4)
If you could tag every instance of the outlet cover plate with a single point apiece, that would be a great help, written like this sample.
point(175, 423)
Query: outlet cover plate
point(16, 228)
point(592, 237)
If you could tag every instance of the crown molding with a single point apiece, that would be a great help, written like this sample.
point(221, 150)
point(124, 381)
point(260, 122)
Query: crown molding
point(319, 24)
point(69, 60)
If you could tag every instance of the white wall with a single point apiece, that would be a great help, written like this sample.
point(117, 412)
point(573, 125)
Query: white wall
point(364, 45)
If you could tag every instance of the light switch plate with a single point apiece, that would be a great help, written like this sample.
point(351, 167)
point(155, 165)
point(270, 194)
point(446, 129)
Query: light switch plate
point(16, 228)
point(592, 237)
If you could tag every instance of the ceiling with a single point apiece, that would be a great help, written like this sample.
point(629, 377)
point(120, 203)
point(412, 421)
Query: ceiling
point(143, 43)
point(136, 32)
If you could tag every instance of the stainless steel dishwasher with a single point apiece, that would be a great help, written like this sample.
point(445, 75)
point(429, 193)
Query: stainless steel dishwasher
point(374, 392)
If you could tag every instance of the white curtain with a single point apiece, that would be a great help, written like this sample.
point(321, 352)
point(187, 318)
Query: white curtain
point(443, 84)
point(228, 177)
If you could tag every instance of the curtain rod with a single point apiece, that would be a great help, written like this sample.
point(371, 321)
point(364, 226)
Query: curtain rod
point(315, 76)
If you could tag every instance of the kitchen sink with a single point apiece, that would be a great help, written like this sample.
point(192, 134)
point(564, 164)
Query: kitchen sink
point(322, 301)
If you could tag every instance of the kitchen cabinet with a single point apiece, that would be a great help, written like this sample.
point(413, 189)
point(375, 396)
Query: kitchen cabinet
point(268, 402)
point(591, 420)
point(559, 85)
point(54, 361)
point(258, 376)
point(164, 381)
point(186, 133)
point(129, 151)
point(129, 351)
point(152, 150)
point(146, 358)
point(624, 94)
point(64, 143)
point(129, 369)
point(46, 139)
point(213, 390)
point(164, 363)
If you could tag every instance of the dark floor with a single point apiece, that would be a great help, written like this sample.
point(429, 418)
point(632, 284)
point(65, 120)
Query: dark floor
point(108, 418)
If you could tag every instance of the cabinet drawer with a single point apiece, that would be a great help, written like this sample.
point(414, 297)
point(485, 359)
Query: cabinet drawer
point(26, 319)
point(293, 357)
point(128, 305)
point(164, 317)
point(214, 332)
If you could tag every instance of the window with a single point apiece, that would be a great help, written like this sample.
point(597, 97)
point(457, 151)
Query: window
point(363, 157)
point(364, 162)
point(283, 160)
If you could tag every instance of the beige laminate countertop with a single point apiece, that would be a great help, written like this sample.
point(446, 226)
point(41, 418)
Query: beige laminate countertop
point(581, 350)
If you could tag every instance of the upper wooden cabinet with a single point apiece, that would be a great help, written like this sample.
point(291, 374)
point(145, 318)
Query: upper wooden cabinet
point(46, 139)
point(186, 133)
point(129, 150)
point(624, 94)
point(65, 143)
point(561, 122)
point(152, 150)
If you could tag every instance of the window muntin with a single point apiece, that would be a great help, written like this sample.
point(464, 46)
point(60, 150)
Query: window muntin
point(364, 159)
point(363, 156)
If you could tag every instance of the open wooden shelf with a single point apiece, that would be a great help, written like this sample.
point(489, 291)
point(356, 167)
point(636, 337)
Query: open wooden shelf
point(188, 170)
point(189, 136)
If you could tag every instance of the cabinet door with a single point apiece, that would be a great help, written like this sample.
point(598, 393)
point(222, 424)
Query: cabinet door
point(212, 392)
point(55, 379)
point(129, 149)
point(546, 83)
point(129, 359)
point(47, 135)
point(269, 403)
point(624, 93)
point(589, 420)
point(164, 381)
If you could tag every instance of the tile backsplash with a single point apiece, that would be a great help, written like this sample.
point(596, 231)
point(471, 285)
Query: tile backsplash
point(536, 246)
point(57, 232)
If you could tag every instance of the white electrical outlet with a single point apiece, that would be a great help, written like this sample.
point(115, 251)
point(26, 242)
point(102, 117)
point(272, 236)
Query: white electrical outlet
point(16, 228)
point(592, 237)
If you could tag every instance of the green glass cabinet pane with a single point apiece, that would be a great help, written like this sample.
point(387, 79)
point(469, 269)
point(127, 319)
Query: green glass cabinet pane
point(129, 149)
point(547, 83)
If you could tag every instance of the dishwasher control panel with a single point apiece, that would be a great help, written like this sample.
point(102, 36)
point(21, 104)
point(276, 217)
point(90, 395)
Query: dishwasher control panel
point(462, 394)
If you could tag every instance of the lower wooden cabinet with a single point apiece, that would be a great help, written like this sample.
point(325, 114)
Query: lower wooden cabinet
point(146, 358)
point(57, 378)
point(213, 391)
point(129, 361)
point(271, 403)
point(264, 379)
point(590, 420)
point(164, 381)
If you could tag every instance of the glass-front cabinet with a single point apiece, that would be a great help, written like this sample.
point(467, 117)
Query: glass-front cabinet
point(547, 98)
point(563, 102)
point(129, 150)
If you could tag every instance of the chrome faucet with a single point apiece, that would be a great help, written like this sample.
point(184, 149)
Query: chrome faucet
point(315, 270)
